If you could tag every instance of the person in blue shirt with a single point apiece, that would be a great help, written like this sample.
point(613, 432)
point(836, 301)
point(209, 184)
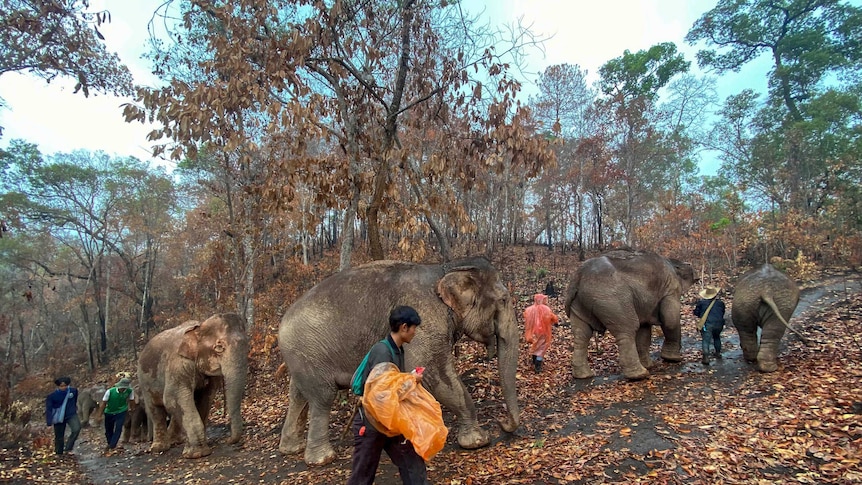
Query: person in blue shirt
point(711, 331)
point(61, 409)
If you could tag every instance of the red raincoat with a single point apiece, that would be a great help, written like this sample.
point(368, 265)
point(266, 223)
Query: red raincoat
point(538, 320)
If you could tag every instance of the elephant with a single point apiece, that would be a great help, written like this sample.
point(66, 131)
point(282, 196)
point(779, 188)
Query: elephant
point(763, 298)
point(89, 399)
point(180, 370)
point(324, 335)
point(136, 426)
point(627, 292)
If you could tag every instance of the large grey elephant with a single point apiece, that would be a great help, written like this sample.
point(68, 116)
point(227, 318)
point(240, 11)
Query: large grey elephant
point(325, 334)
point(763, 298)
point(627, 292)
point(180, 370)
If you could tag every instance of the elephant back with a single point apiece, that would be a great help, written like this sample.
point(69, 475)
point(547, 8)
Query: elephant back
point(639, 272)
point(347, 312)
point(756, 287)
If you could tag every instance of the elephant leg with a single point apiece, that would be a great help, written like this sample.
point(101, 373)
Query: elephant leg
point(84, 415)
point(629, 360)
point(203, 402)
point(453, 395)
point(139, 425)
point(161, 441)
point(294, 424)
point(748, 341)
point(672, 332)
point(175, 433)
point(643, 339)
point(770, 339)
point(581, 334)
point(318, 449)
point(127, 428)
point(189, 418)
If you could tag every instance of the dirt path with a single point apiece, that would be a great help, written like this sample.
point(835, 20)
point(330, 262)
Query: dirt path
point(629, 427)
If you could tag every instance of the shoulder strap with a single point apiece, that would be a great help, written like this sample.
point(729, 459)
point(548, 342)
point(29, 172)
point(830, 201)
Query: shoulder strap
point(702, 321)
point(390, 347)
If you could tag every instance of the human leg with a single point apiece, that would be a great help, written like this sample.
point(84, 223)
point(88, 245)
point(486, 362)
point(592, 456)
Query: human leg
point(706, 344)
point(367, 445)
point(75, 428)
point(117, 429)
point(109, 426)
point(716, 338)
point(410, 465)
point(59, 431)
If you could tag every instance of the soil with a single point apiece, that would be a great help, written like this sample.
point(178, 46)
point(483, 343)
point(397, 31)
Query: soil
point(599, 430)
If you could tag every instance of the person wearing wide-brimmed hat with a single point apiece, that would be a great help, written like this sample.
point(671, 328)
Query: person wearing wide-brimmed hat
point(115, 406)
point(61, 408)
point(712, 326)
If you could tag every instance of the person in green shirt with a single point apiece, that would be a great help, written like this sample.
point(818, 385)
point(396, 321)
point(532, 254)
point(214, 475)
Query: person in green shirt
point(115, 405)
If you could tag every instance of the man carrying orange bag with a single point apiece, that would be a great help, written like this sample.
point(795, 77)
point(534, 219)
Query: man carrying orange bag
point(368, 442)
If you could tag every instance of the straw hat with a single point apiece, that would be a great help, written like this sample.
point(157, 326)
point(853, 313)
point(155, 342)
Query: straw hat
point(709, 292)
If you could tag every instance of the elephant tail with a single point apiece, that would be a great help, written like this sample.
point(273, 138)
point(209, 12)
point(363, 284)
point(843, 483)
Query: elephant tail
point(281, 372)
point(571, 294)
point(769, 301)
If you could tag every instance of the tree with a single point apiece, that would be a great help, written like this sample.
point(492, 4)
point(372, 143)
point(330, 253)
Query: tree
point(808, 41)
point(562, 107)
point(60, 38)
point(643, 154)
point(799, 146)
point(361, 74)
point(91, 206)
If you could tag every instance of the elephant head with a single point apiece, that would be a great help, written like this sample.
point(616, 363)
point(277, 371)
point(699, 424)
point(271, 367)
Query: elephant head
point(219, 348)
point(483, 312)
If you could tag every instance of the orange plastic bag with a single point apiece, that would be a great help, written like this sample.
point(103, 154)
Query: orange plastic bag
point(396, 403)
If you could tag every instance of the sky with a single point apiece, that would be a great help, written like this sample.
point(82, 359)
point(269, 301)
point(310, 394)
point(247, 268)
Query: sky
point(583, 32)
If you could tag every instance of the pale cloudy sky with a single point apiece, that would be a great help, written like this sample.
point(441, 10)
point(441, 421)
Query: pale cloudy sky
point(585, 32)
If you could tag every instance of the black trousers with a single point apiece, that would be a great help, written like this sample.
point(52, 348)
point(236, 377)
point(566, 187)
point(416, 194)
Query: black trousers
point(366, 455)
point(114, 428)
point(60, 430)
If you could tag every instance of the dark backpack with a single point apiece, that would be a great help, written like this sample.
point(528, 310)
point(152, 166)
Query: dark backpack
point(356, 383)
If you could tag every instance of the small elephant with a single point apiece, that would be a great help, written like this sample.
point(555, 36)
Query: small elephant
point(89, 399)
point(764, 298)
point(180, 370)
point(627, 292)
point(136, 427)
point(324, 335)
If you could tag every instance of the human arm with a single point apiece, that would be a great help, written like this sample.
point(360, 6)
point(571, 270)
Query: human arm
point(103, 404)
point(49, 409)
point(699, 308)
point(528, 326)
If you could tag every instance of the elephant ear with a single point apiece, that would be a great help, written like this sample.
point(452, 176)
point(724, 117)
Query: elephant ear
point(191, 339)
point(459, 290)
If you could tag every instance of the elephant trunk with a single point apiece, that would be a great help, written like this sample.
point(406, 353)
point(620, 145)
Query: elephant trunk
point(507, 362)
point(234, 388)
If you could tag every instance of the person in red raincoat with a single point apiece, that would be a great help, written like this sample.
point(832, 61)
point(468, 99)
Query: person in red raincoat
point(538, 320)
